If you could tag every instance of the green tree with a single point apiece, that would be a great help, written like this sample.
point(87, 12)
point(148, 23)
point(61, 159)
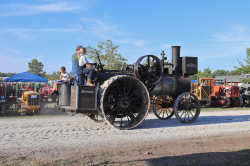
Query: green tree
point(236, 71)
point(53, 76)
point(36, 67)
point(194, 77)
point(248, 52)
point(245, 65)
point(245, 80)
point(207, 73)
point(220, 72)
point(109, 55)
point(6, 74)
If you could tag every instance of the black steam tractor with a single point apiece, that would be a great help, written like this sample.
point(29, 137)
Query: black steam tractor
point(123, 98)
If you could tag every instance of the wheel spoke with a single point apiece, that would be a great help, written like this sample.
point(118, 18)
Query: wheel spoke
point(130, 89)
point(192, 115)
point(187, 107)
point(160, 111)
point(131, 115)
point(121, 121)
point(135, 100)
point(167, 111)
point(163, 114)
point(182, 113)
point(184, 116)
point(188, 115)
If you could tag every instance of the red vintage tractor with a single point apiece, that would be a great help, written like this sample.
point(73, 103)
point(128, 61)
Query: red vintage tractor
point(225, 95)
point(47, 93)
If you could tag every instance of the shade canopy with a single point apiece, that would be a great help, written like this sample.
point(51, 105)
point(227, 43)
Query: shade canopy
point(25, 77)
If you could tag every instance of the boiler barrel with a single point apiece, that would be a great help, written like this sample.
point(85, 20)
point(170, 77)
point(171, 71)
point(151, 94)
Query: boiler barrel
point(64, 94)
point(171, 86)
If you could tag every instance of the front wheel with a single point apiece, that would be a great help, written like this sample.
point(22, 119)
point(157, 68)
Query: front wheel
point(241, 103)
point(187, 107)
point(228, 102)
point(162, 107)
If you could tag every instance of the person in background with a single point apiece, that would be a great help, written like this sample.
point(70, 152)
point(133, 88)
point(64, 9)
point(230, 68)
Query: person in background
point(27, 87)
point(64, 76)
point(37, 87)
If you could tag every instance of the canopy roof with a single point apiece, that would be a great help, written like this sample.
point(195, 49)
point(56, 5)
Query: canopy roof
point(25, 77)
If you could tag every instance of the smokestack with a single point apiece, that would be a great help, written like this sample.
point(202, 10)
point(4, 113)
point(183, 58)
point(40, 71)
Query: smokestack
point(176, 59)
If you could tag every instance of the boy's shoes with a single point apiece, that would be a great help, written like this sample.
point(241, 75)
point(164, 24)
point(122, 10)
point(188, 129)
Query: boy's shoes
point(89, 83)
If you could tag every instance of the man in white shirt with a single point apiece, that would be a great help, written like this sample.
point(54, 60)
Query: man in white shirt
point(64, 76)
point(85, 67)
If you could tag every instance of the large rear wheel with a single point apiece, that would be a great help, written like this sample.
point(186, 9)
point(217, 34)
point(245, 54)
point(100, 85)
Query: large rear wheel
point(98, 118)
point(124, 101)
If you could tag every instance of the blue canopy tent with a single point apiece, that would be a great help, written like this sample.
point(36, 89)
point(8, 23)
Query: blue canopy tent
point(25, 77)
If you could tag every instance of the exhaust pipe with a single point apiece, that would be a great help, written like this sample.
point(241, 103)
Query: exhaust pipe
point(176, 60)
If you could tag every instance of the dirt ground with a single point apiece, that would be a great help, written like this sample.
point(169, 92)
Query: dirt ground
point(218, 150)
point(53, 138)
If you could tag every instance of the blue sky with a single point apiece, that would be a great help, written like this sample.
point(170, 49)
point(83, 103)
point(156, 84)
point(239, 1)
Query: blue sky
point(217, 31)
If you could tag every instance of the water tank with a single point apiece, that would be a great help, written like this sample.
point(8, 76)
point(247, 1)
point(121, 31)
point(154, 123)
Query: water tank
point(64, 94)
point(171, 86)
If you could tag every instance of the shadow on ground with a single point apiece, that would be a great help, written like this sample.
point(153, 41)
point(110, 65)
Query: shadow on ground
point(49, 108)
point(202, 120)
point(238, 158)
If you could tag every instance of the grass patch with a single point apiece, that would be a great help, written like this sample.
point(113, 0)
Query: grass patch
point(60, 162)
point(225, 109)
point(105, 158)
point(21, 162)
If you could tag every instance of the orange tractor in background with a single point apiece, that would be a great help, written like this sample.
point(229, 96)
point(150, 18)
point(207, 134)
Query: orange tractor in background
point(222, 95)
point(203, 89)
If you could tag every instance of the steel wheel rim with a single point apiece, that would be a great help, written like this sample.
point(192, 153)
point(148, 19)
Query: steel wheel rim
point(164, 113)
point(121, 102)
point(163, 107)
point(185, 113)
point(96, 117)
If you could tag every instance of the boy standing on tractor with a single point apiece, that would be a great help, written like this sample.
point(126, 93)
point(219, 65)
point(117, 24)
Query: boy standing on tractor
point(75, 64)
point(81, 66)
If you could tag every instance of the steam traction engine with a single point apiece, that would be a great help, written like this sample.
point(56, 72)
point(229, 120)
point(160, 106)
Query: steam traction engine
point(123, 98)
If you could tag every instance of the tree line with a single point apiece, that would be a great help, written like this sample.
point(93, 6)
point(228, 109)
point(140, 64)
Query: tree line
point(112, 59)
point(243, 68)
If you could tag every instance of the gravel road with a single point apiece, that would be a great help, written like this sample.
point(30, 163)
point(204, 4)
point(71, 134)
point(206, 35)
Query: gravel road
point(52, 135)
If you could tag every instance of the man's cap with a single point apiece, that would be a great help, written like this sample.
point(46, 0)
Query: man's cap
point(79, 47)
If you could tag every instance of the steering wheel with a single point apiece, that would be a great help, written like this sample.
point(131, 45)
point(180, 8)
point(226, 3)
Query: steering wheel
point(148, 69)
